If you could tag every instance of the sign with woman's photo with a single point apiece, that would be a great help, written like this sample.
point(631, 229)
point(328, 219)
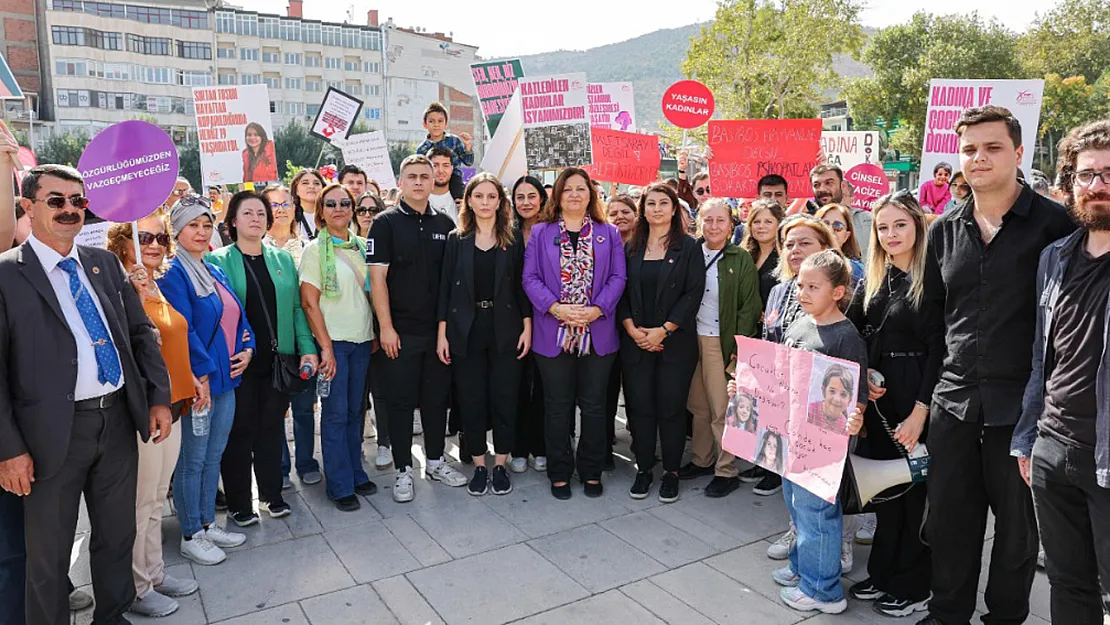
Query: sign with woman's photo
point(236, 135)
point(790, 413)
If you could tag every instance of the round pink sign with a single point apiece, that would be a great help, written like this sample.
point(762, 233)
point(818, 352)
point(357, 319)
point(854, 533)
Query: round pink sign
point(870, 183)
point(129, 170)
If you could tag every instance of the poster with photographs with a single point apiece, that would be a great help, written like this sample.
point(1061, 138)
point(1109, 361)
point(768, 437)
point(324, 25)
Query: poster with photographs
point(556, 121)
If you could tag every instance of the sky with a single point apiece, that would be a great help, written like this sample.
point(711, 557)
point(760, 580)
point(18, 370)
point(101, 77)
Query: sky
point(582, 24)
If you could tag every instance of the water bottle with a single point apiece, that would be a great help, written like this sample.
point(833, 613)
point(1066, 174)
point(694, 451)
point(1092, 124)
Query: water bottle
point(200, 420)
point(306, 371)
point(323, 386)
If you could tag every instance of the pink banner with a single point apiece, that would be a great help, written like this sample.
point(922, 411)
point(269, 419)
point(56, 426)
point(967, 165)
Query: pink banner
point(790, 413)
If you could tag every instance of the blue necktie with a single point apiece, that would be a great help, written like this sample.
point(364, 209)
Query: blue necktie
point(107, 361)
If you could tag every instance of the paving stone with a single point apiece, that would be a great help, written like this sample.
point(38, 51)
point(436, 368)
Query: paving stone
point(467, 528)
point(417, 541)
point(596, 558)
point(722, 599)
point(370, 552)
point(495, 586)
point(428, 494)
point(301, 522)
point(663, 605)
point(611, 608)
point(329, 516)
point(405, 602)
point(536, 513)
point(741, 515)
point(750, 566)
point(677, 518)
point(354, 606)
point(289, 614)
point(663, 542)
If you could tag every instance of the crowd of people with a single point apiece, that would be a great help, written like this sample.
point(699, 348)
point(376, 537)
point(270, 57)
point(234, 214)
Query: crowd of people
point(526, 310)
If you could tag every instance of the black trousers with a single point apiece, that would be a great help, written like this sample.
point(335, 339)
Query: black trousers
point(416, 379)
point(655, 395)
point(971, 470)
point(102, 463)
point(256, 439)
point(13, 560)
point(612, 402)
point(529, 411)
point(568, 381)
point(487, 384)
point(900, 563)
point(1074, 516)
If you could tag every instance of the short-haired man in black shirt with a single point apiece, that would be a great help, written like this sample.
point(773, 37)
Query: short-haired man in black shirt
point(1062, 442)
point(354, 178)
point(980, 271)
point(405, 254)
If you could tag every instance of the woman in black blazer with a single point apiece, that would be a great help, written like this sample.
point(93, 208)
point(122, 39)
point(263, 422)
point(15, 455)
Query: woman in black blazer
point(485, 325)
point(659, 347)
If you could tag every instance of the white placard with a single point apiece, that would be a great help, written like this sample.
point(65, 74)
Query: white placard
point(369, 151)
point(612, 106)
point(228, 120)
point(338, 112)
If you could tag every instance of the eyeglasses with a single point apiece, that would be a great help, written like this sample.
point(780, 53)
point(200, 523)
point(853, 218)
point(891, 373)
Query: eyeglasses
point(341, 204)
point(362, 210)
point(701, 191)
point(146, 238)
point(277, 205)
point(179, 192)
point(1086, 178)
point(836, 226)
point(58, 202)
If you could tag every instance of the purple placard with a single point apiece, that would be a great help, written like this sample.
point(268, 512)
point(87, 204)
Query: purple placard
point(129, 170)
point(468, 173)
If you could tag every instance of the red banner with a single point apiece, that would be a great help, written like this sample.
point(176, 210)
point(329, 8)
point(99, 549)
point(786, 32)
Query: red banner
point(624, 157)
point(746, 150)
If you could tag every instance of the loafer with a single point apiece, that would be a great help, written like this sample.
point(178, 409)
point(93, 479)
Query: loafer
point(691, 471)
point(561, 492)
point(366, 489)
point(348, 504)
point(593, 490)
point(721, 486)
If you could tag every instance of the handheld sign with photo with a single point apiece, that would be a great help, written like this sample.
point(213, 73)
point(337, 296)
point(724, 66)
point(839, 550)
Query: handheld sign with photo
point(746, 150)
point(624, 157)
point(688, 104)
point(236, 135)
point(369, 151)
point(9, 88)
point(870, 183)
point(556, 121)
point(495, 83)
point(337, 115)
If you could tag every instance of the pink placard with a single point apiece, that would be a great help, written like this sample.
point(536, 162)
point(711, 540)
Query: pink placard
point(790, 413)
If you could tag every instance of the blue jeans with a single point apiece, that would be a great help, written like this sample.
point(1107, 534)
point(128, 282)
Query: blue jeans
point(13, 560)
point(815, 555)
point(341, 420)
point(198, 467)
point(304, 433)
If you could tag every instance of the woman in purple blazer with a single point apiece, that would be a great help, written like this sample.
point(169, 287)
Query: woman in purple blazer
point(574, 273)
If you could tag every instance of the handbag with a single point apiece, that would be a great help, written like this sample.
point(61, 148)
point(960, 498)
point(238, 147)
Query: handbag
point(285, 375)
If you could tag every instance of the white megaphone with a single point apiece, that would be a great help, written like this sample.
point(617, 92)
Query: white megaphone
point(872, 477)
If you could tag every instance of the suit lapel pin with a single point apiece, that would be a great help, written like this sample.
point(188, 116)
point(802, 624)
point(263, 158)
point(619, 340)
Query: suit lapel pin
point(96, 270)
point(730, 269)
point(600, 239)
point(670, 260)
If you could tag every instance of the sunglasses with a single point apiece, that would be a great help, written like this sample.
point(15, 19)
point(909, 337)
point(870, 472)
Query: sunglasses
point(701, 191)
point(341, 204)
point(58, 202)
point(362, 210)
point(146, 238)
point(193, 200)
point(836, 226)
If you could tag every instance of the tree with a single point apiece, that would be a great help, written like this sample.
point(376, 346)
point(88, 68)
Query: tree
point(906, 57)
point(1067, 103)
point(1072, 39)
point(397, 153)
point(188, 159)
point(296, 146)
point(63, 148)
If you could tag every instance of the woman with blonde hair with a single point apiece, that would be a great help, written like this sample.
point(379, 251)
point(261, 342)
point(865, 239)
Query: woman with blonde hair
point(839, 219)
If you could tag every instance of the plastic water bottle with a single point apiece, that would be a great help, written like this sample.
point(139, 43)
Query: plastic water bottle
point(323, 386)
point(200, 420)
point(306, 371)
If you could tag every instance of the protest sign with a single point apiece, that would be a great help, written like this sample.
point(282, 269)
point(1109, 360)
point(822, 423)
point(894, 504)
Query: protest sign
point(9, 88)
point(129, 170)
point(869, 182)
point(746, 150)
point(556, 121)
point(624, 157)
point(234, 128)
point(612, 106)
point(468, 173)
point(688, 104)
point(495, 82)
point(337, 115)
point(369, 151)
point(504, 156)
point(848, 149)
point(94, 234)
point(948, 99)
point(790, 413)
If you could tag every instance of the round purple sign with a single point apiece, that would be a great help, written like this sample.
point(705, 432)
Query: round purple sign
point(129, 170)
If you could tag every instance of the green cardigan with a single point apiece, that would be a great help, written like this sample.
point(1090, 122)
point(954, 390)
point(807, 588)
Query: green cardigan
point(293, 334)
point(738, 298)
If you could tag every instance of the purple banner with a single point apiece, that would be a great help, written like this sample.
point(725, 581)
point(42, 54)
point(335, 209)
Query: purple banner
point(129, 170)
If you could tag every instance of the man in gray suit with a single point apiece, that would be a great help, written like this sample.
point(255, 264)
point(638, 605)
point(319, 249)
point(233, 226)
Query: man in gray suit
point(80, 374)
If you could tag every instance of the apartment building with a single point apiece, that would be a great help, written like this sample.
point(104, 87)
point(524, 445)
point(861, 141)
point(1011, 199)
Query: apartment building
point(19, 43)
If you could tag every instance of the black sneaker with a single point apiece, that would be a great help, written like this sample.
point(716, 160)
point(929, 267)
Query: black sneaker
point(769, 485)
point(753, 475)
point(366, 489)
point(641, 486)
point(721, 486)
point(561, 493)
point(221, 500)
point(668, 488)
point(278, 509)
point(479, 484)
point(594, 489)
point(889, 605)
point(865, 591)
point(349, 503)
point(502, 484)
point(243, 519)
point(930, 620)
point(690, 471)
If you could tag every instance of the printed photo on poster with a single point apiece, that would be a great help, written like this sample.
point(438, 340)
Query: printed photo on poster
point(743, 412)
point(556, 121)
point(831, 400)
point(772, 452)
point(236, 135)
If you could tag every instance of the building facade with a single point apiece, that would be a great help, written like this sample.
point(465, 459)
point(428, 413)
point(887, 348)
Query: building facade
point(19, 43)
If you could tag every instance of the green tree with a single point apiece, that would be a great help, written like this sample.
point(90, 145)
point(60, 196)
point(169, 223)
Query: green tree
point(1071, 39)
point(1067, 103)
point(294, 145)
point(906, 56)
point(188, 159)
point(63, 148)
point(397, 152)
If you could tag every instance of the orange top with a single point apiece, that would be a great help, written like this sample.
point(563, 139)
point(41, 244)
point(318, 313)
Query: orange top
point(175, 345)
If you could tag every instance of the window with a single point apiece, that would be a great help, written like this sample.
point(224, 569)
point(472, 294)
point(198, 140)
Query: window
point(225, 22)
point(194, 79)
point(351, 66)
point(190, 19)
point(225, 53)
point(293, 83)
point(312, 110)
point(290, 30)
point(194, 50)
point(373, 90)
point(313, 86)
point(271, 57)
point(335, 84)
point(275, 106)
point(149, 15)
point(311, 32)
point(74, 36)
point(153, 75)
point(67, 5)
point(369, 113)
point(294, 108)
point(251, 79)
point(268, 28)
point(272, 82)
point(226, 79)
point(68, 36)
point(248, 54)
point(333, 62)
point(351, 37)
point(371, 40)
point(246, 24)
point(104, 9)
point(353, 88)
point(292, 58)
point(330, 35)
point(371, 68)
point(148, 45)
point(70, 67)
point(312, 60)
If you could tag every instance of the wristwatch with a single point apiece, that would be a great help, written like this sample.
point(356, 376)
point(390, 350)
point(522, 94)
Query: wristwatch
point(668, 332)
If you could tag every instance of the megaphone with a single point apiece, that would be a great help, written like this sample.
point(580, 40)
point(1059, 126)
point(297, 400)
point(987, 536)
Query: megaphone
point(872, 477)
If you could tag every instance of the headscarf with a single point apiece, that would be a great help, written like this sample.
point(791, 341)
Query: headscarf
point(184, 211)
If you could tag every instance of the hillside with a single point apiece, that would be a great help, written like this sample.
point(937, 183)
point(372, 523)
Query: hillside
point(651, 62)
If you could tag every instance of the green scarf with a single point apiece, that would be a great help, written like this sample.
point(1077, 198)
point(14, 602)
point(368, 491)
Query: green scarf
point(328, 245)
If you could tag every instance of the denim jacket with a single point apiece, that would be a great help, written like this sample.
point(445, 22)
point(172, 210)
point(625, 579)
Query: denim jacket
point(1050, 276)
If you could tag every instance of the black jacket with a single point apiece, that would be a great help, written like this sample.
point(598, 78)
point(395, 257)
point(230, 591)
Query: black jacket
point(456, 294)
point(681, 285)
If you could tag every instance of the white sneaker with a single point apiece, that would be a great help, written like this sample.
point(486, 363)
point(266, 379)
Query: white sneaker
point(795, 598)
point(440, 471)
point(518, 465)
point(371, 430)
point(222, 538)
point(384, 457)
point(539, 463)
point(847, 559)
point(417, 426)
point(402, 487)
point(865, 535)
point(202, 551)
point(154, 604)
point(780, 549)
point(173, 587)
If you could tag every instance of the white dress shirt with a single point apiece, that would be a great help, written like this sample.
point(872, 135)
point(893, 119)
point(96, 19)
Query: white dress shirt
point(709, 315)
point(88, 384)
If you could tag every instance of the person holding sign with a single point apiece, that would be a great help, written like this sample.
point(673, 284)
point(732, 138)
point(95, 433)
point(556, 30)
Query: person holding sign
point(659, 347)
point(259, 161)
